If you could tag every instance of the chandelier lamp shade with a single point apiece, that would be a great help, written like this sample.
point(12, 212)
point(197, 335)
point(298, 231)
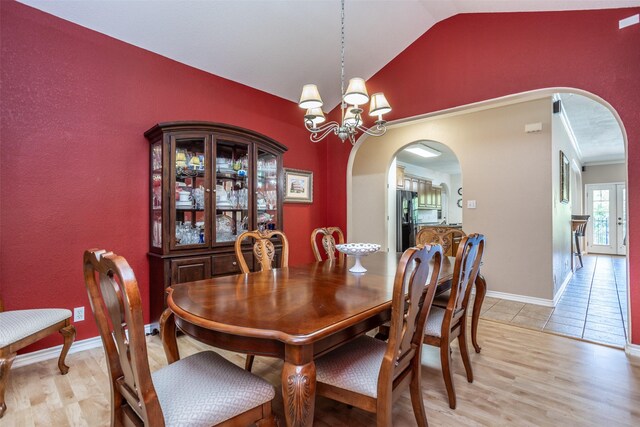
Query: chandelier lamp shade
point(351, 104)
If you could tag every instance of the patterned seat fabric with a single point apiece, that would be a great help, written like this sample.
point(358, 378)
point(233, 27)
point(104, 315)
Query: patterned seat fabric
point(434, 321)
point(19, 324)
point(205, 389)
point(354, 366)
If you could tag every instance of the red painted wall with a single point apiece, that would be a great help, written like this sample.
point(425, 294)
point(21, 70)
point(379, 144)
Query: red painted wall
point(75, 173)
point(75, 104)
point(474, 57)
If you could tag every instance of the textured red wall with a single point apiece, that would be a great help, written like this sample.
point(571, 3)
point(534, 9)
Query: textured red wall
point(74, 174)
point(75, 104)
point(474, 57)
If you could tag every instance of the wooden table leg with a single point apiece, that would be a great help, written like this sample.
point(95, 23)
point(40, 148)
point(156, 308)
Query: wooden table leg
point(481, 290)
point(168, 336)
point(298, 388)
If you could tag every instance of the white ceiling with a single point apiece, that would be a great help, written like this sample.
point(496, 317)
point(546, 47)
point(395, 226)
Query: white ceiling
point(277, 46)
point(597, 133)
point(447, 162)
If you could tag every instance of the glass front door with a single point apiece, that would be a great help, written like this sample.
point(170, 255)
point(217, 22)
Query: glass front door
point(607, 225)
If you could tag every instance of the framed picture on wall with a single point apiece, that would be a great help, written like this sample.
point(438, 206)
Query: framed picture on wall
point(298, 186)
point(564, 178)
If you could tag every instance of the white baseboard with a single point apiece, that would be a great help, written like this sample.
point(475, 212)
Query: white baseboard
point(520, 298)
point(632, 350)
point(563, 288)
point(533, 300)
point(54, 352)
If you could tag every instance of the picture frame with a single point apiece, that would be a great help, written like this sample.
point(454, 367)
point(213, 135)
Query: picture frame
point(298, 186)
point(564, 178)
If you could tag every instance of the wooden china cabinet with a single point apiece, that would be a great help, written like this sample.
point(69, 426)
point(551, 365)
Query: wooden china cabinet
point(209, 183)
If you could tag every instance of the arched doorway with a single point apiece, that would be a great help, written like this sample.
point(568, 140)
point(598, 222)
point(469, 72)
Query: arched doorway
point(511, 177)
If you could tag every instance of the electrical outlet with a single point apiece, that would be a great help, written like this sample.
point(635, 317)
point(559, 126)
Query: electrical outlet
point(78, 314)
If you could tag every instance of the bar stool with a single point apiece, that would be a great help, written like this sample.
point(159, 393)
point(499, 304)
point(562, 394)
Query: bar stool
point(578, 226)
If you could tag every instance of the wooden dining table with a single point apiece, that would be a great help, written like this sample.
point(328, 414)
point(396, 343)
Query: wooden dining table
point(295, 314)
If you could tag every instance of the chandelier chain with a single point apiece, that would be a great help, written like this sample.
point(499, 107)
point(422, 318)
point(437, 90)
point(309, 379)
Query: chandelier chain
point(342, 57)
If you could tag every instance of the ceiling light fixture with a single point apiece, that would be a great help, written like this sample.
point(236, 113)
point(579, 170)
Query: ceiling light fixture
point(355, 96)
point(423, 151)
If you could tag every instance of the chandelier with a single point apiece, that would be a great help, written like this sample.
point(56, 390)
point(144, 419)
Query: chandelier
point(350, 106)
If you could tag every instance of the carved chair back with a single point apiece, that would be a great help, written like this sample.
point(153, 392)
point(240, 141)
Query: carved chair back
point(465, 271)
point(117, 307)
point(329, 237)
point(443, 236)
point(409, 310)
point(263, 249)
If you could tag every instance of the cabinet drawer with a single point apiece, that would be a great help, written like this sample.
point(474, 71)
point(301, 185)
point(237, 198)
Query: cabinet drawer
point(228, 264)
point(190, 269)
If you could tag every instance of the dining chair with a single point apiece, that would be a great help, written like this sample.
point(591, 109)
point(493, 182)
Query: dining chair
point(443, 236)
point(329, 237)
point(369, 373)
point(264, 251)
point(20, 328)
point(446, 324)
point(203, 389)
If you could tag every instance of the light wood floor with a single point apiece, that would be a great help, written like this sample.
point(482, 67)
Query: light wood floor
point(522, 378)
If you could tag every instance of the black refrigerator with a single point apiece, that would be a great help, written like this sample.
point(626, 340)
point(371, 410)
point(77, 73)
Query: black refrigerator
point(406, 216)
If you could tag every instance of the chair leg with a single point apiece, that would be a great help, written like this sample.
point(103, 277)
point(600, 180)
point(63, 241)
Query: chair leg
point(481, 291)
point(417, 401)
point(269, 419)
point(69, 334)
point(6, 360)
point(249, 363)
point(464, 351)
point(383, 333)
point(383, 412)
point(445, 360)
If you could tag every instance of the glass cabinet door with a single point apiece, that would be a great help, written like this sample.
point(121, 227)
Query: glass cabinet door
point(189, 204)
point(232, 190)
point(156, 195)
point(267, 190)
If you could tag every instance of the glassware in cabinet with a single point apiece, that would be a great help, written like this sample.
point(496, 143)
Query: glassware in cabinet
point(156, 195)
point(267, 193)
point(189, 198)
point(232, 190)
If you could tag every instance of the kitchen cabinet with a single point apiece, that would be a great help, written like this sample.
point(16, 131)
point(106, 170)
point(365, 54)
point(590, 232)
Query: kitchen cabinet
point(209, 183)
point(437, 192)
point(400, 177)
point(423, 193)
point(414, 184)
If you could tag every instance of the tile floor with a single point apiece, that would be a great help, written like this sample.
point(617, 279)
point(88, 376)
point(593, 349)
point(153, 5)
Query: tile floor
point(593, 306)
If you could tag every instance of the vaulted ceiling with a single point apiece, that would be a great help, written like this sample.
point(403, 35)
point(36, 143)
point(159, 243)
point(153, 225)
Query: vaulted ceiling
point(279, 45)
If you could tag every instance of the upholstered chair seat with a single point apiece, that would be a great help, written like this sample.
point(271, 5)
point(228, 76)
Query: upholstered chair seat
point(19, 324)
point(354, 366)
point(20, 328)
point(190, 387)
